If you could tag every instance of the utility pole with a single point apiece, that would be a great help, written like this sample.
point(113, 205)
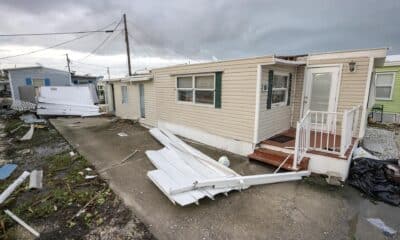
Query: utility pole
point(108, 73)
point(68, 63)
point(127, 46)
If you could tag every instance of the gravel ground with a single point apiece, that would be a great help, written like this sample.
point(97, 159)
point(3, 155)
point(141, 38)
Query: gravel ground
point(381, 142)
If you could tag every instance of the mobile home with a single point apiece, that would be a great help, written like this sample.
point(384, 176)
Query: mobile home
point(305, 111)
point(387, 92)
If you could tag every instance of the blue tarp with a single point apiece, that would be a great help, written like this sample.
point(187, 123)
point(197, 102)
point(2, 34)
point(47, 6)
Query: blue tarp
point(6, 170)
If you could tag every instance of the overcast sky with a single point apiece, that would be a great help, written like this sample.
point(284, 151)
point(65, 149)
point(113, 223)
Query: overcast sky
point(171, 32)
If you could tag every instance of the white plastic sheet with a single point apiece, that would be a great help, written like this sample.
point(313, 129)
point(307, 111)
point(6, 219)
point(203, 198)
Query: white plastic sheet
point(68, 100)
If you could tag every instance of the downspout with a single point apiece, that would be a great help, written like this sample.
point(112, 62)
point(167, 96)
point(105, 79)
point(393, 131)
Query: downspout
point(257, 107)
point(363, 121)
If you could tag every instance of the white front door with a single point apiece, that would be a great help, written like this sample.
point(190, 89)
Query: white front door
point(320, 93)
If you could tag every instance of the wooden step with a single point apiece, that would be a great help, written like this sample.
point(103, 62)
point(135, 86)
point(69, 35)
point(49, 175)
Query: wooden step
point(275, 158)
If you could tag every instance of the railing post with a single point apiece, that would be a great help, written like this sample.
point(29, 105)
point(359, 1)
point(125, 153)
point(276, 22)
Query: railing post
point(343, 137)
point(296, 146)
point(356, 120)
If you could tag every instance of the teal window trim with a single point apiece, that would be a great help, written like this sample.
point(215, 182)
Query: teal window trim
point(270, 82)
point(218, 89)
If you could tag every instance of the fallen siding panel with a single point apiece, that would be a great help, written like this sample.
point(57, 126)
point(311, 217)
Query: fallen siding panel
point(186, 175)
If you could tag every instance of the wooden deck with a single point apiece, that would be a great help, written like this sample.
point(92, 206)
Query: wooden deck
point(275, 158)
point(326, 142)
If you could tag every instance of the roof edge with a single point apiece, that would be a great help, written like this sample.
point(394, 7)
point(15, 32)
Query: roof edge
point(33, 67)
point(368, 52)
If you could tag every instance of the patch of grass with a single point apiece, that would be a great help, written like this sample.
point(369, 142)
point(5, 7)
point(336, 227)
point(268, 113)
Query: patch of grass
point(65, 191)
point(12, 124)
point(60, 195)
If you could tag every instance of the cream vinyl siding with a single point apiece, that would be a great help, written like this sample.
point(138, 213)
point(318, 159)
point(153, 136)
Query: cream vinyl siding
point(277, 119)
point(297, 95)
point(149, 104)
point(129, 110)
point(351, 89)
point(235, 118)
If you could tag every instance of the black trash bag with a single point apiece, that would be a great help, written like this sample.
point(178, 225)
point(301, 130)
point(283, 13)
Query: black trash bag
point(369, 176)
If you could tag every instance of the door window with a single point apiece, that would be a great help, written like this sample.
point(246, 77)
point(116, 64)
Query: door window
point(320, 91)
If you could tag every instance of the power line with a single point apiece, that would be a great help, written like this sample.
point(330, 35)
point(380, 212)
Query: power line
point(53, 33)
point(53, 46)
point(102, 43)
point(89, 64)
point(143, 48)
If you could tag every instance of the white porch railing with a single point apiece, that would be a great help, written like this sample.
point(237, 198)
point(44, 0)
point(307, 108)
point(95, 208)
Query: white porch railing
point(317, 130)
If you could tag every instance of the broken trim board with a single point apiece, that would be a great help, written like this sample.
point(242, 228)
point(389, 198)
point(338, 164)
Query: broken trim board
point(22, 223)
point(29, 134)
point(10, 189)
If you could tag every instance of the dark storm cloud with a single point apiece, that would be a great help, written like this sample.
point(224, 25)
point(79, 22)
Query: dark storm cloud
point(202, 29)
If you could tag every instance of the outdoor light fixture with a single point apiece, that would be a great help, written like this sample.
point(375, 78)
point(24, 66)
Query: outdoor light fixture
point(352, 66)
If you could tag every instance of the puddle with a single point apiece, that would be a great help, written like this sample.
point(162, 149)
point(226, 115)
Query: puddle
point(45, 151)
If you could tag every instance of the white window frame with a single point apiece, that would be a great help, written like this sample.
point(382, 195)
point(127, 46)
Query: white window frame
point(193, 89)
point(126, 98)
point(385, 85)
point(283, 103)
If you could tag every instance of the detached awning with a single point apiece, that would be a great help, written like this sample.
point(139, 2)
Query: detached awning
point(138, 78)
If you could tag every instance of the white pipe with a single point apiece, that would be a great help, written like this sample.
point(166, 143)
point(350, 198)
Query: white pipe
point(22, 223)
point(242, 181)
point(4, 195)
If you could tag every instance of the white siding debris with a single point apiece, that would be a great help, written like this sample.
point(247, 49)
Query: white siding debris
point(186, 175)
point(71, 100)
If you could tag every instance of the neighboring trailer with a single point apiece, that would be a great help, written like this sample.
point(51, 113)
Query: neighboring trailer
point(24, 82)
point(387, 87)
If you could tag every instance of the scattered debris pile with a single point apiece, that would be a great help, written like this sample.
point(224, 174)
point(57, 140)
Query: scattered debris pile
point(374, 178)
point(22, 106)
point(186, 175)
point(68, 100)
point(48, 190)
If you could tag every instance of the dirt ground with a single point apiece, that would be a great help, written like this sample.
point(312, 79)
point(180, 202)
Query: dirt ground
point(52, 210)
point(308, 209)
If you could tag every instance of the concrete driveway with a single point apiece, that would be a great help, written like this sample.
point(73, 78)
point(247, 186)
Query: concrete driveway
point(306, 209)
